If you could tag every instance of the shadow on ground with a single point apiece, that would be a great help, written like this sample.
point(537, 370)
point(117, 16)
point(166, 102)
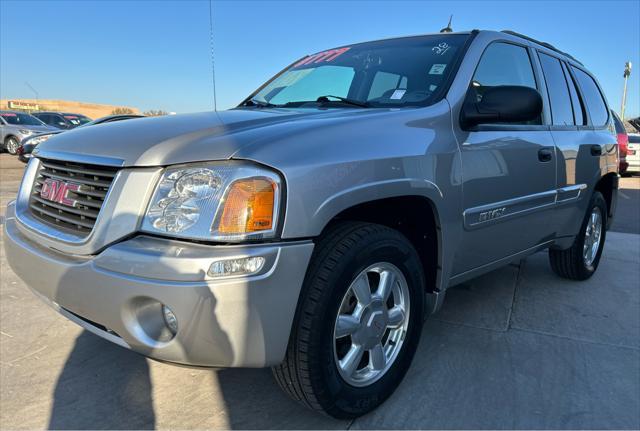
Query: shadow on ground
point(518, 348)
point(102, 386)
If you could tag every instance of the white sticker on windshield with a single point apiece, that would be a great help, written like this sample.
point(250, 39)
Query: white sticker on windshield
point(397, 94)
point(437, 69)
point(441, 48)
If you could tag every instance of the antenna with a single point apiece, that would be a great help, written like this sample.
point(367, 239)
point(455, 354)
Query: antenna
point(213, 68)
point(448, 28)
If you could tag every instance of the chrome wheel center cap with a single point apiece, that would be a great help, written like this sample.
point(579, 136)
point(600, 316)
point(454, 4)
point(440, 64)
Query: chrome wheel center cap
point(373, 325)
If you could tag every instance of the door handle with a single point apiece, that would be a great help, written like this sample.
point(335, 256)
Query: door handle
point(596, 150)
point(545, 154)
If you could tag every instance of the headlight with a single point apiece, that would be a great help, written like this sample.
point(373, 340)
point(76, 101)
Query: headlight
point(37, 140)
point(215, 201)
point(25, 131)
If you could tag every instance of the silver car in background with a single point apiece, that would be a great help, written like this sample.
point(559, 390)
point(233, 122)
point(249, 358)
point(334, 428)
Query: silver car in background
point(16, 126)
point(313, 227)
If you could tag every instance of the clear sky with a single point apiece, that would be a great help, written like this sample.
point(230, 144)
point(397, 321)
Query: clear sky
point(156, 54)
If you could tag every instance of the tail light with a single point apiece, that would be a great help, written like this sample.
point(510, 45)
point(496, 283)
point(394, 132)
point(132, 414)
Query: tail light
point(20, 150)
point(623, 142)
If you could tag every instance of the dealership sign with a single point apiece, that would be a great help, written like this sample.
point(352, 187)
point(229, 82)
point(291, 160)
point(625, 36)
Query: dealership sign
point(16, 104)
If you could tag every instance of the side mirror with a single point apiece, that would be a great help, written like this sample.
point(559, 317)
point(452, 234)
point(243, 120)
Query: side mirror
point(502, 104)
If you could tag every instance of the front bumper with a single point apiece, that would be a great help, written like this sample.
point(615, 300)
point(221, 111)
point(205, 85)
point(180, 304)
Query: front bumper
point(116, 294)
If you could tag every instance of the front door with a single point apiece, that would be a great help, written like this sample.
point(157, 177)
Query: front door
point(508, 171)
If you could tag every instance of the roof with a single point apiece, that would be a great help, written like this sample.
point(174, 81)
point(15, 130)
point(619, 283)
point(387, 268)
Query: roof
point(544, 44)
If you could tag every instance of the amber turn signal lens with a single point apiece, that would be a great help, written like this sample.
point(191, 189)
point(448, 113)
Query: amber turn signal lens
point(248, 207)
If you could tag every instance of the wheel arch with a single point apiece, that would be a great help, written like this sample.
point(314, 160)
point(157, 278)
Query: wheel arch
point(608, 186)
point(417, 217)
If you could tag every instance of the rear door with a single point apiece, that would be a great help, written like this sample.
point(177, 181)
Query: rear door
point(508, 170)
point(570, 133)
point(586, 153)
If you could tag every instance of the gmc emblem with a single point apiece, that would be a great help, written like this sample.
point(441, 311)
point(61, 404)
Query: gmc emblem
point(57, 190)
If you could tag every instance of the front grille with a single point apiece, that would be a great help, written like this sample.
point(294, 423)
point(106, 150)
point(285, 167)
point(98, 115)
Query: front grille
point(93, 184)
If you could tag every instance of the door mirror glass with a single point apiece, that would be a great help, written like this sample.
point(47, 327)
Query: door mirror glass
point(502, 104)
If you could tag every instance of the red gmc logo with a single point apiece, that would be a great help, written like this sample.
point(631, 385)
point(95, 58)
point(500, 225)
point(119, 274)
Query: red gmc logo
point(56, 191)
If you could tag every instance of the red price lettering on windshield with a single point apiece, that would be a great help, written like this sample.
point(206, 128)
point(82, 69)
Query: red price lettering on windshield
point(322, 57)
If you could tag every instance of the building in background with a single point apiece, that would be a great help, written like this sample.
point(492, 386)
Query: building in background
point(92, 110)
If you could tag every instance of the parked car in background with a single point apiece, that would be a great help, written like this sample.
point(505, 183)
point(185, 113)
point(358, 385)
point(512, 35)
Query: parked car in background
point(623, 140)
point(633, 153)
point(313, 227)
point(62, 120)
point(16, 126)
point(28, 145)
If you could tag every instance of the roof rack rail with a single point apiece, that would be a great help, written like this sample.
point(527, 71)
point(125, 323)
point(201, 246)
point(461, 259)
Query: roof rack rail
point(545, 44)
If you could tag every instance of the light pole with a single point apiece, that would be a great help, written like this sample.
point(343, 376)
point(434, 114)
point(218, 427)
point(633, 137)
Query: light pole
point(627, 72)
point(34, 92)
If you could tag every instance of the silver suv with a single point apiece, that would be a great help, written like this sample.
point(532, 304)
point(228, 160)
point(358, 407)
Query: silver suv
point(314, 226)
point(16, 126)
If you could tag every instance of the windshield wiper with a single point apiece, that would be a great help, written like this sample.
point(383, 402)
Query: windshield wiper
point(325, 99)
point(259, 103)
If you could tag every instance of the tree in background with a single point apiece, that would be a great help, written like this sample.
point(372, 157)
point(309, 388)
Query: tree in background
point(121, 111)
point(155, 113)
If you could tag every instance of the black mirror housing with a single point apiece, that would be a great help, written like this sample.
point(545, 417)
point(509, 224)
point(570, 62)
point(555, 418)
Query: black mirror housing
point(502, 104)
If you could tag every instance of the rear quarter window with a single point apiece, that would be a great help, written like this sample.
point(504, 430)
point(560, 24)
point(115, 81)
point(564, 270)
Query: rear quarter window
point(593, 98)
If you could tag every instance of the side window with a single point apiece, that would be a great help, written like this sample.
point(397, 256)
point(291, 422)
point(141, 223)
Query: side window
point(593, 98)
point(503, 64)
point(560, 101)
point(45, 118)
point(385, 83)
point(578, 106)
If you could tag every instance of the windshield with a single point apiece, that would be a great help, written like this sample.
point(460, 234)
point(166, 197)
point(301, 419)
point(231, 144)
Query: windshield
point(389, 73)
point(21, 119)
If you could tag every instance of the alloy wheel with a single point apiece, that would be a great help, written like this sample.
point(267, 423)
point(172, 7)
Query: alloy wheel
point(371, 324)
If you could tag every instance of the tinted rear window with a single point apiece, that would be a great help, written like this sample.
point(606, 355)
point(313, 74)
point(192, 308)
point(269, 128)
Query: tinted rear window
point(579, 112)
point(559, 97)
point(593, 98)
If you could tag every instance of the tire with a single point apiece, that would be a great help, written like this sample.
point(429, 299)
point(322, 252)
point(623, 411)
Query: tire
point(11, 145)
point(572, 262)
point(311, 372)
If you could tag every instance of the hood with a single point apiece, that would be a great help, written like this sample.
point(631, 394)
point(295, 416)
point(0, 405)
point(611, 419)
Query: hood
point(243, 133)
point(37, 129)
point(171, 139)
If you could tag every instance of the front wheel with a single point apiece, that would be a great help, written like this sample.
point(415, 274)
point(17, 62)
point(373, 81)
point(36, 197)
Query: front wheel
point(12, 145)
point(358, 322)
point(581, 260)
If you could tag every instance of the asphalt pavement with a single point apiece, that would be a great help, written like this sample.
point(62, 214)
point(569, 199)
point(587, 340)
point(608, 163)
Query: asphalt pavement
point(516, 348)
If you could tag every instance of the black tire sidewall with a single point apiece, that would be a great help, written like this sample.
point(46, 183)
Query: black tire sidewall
point(597, 200)
point(349, 401)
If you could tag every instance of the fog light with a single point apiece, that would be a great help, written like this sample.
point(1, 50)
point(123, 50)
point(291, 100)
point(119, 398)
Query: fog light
point(236, 266)
point(170, 319)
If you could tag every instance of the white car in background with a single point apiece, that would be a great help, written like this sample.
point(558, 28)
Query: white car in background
point(633, 153)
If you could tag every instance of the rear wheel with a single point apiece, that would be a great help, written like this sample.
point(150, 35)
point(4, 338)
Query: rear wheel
point(12, 144)
point(358, 321)
point(581, 260)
